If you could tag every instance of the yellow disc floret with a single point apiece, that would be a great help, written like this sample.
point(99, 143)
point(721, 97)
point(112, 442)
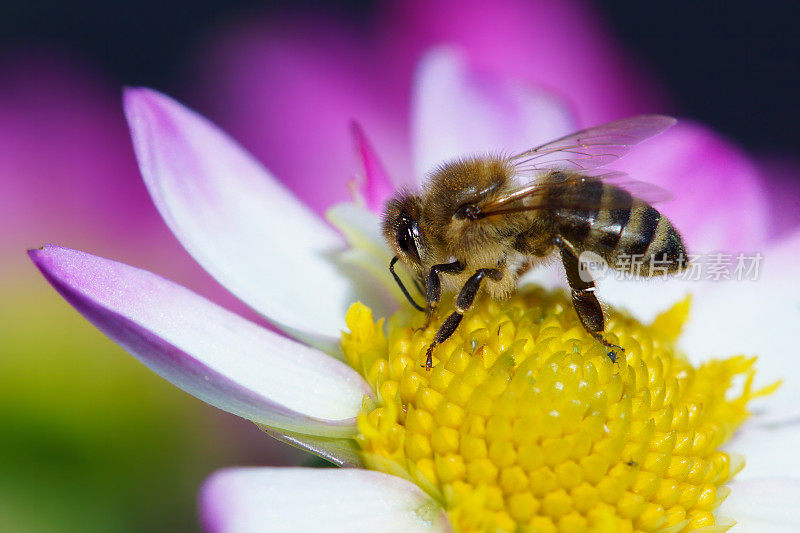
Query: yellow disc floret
point(525, 424)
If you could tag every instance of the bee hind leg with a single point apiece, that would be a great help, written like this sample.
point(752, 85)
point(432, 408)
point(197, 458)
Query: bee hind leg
point(465, 299)
point(584, 299)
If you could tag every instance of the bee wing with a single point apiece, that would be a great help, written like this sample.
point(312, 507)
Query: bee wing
point(508, 202)
point(591, 148)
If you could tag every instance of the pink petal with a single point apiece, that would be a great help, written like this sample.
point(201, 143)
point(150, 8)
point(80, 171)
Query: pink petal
point(206, 350)
point(237, 221)
point(245, 500)
point(376, 186)
point(458, 111)
point(563, 46)
point(719, 203)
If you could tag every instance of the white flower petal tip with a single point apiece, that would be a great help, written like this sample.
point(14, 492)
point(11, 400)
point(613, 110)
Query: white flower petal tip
point(458, 112)
point(237, 221)
point(761, 505)
point(254, 500)
point(207, 351)
point(360, 227)
point(368, 252)
point(376, 185)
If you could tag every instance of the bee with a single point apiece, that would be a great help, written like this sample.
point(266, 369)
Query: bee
point(480, 222)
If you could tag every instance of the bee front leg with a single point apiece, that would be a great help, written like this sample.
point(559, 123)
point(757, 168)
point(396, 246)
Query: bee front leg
point(584, 300)
point(434, 287)
point(403, 287)
point(465, 299)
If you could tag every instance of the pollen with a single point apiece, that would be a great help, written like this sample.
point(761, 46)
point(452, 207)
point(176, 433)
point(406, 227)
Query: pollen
point(525, 424)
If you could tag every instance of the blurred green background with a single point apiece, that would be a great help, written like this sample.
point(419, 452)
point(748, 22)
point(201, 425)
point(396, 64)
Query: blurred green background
point(91, 440)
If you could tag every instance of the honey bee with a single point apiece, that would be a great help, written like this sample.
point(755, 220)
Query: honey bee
point(480, 222)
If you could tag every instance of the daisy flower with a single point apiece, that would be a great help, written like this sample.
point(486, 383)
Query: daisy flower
point(523, 421)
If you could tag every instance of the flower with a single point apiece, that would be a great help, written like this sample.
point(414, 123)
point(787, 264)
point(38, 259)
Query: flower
point(260, 242)
point(526, 421)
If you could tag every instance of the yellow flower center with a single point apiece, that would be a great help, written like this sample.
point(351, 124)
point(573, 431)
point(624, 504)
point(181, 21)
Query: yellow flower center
point(524, 423)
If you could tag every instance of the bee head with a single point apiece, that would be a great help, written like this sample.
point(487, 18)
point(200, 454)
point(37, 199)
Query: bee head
point(401, 228)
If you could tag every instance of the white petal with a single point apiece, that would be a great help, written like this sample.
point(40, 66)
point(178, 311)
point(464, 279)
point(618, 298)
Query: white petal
point(361, 227)
point(254, 500)
point(237, 221)
point(756, 318)
point(763, 506)
point(206, 350)
point(768, 451)
point(458, 112)
point(368, 251)
point(644, 298)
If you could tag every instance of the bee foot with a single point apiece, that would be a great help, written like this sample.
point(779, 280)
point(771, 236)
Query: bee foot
point(614, 348)
point(429, 358)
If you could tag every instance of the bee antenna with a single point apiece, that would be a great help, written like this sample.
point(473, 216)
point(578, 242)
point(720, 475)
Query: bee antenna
point(403, 287)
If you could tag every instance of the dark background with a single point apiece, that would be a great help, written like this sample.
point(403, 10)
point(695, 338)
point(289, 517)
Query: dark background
point(733, 65)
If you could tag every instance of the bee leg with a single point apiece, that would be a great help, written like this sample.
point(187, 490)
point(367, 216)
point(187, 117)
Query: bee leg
point(434, 287)
point(403, 287)
point(418, 286)
point(465, 299)
point(584, 300)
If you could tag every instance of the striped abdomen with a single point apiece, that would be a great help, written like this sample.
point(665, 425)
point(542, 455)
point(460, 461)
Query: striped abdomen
point(627, 232)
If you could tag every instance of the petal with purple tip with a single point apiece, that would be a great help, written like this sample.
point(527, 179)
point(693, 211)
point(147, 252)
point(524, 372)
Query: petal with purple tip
point(459, 112)
point(238, 222)
point(209, 352)
point(245, 500)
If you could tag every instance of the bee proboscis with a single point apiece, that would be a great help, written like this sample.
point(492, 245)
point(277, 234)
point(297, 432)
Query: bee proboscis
point(480, 222)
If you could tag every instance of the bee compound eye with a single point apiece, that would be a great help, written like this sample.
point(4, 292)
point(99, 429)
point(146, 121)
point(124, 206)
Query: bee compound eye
point(406, 232)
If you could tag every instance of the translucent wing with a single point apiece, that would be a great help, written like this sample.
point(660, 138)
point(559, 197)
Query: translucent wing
point(559, 190)
point(591, 148)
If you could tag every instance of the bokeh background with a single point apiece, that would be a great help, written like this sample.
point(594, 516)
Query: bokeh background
point(92, 441)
